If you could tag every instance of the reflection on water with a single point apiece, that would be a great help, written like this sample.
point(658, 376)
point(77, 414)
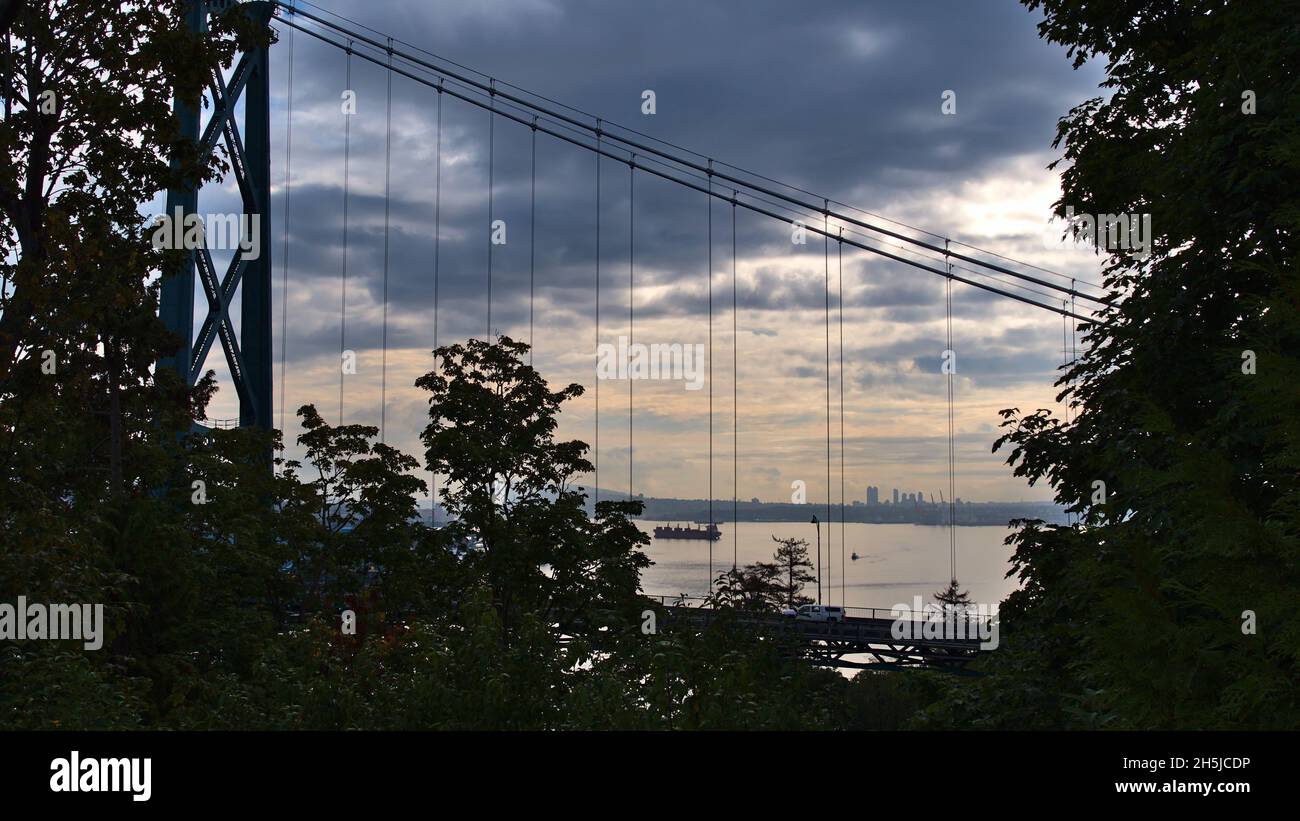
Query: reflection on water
point(896, 562)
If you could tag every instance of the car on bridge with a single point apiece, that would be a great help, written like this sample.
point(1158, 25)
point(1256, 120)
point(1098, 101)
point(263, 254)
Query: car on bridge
point(815, 612)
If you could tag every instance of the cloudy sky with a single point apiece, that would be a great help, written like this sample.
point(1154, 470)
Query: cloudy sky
point(843, 99)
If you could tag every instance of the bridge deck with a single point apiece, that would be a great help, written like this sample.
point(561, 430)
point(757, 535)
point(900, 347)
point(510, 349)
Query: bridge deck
point(830, 643)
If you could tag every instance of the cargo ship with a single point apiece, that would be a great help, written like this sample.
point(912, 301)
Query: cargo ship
point(709, 532)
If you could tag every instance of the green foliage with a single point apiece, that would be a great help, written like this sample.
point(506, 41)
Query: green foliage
point(225, 614)
point(89, 434)
point(767, 586)
point(1134, 618)
point(794, 570)
point(953, 597)
point(752, 587)
point(355, 521)
point(519, 524)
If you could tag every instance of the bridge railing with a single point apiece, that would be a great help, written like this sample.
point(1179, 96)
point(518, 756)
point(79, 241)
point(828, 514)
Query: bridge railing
point(679, 600)
point(891, 614)
point(876, 613)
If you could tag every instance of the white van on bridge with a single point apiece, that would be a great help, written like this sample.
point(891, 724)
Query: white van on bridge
point(816, 612)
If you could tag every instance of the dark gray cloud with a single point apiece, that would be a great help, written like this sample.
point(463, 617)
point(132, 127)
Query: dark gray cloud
point(844, 102)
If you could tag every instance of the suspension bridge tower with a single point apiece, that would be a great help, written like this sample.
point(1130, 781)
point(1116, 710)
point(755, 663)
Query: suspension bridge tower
point(248, 146)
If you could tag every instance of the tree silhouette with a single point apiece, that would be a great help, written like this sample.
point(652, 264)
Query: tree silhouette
point(796, 568)
point(767, 586)
point(953, 597)
point(1179, 455)
point(518, 518)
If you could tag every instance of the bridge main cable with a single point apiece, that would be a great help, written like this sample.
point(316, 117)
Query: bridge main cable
point(603, 134)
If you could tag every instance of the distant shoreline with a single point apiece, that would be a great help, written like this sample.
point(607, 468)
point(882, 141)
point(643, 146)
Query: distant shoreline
point(835, 521)
point(968, 514)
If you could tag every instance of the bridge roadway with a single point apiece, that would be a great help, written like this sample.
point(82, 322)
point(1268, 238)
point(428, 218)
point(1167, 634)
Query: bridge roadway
point(829, 644)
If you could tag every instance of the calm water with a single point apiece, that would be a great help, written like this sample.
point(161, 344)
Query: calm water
point(896, 562)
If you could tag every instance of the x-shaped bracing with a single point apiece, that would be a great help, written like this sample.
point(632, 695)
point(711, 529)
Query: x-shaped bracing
point(217, 323)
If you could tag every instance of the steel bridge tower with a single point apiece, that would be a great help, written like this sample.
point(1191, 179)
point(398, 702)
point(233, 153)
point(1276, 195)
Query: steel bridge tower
point(248, 353)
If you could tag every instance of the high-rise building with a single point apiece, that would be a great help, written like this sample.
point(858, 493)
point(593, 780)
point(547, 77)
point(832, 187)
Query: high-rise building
point(895, 495)
point(873, 495)
point(920, 497)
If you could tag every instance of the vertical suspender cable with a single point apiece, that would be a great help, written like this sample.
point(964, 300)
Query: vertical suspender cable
point(437, 248)
point(1074, 353)
point(1065, 368)
point(388, 166)
point(284, 261)
point(840, 280)
point(1074, 328)
point(709, 283)
point(532, 239)
point(343, 297)
point(596, 446)
point(735, 401)
point(492, 119)
point(631, 301)
point(1065, 352)
point(830, 493)
point(952, 450)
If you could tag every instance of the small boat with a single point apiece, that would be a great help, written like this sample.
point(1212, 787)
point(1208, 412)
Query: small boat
point(707, 533)
point(855, 557)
